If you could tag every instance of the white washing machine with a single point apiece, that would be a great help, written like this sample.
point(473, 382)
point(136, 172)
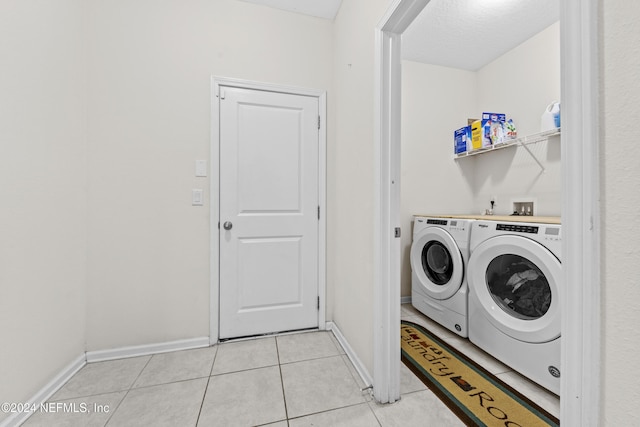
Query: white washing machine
point(439, 254)
point(515, 275)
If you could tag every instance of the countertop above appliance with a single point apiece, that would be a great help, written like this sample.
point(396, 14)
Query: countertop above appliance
point(504, 218)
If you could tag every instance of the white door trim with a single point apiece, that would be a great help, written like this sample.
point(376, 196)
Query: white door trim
point(581, 228)
point(216, 84)
point(580, 398)
point(386, 294)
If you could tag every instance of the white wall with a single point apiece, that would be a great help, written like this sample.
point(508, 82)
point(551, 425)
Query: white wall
point(438, 100)
point(435, 101)
point(42, 193)
point(350, 246)
point(620, 176)
point(521, 83)
point(149, 120)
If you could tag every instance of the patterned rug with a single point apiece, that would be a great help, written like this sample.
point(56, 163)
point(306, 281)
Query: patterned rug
point(476, 396)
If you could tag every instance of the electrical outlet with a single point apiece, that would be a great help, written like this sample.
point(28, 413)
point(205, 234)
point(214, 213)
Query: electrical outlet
point(523, 208)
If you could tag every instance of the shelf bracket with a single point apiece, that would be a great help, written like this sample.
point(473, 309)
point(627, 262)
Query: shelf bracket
point(533, 156)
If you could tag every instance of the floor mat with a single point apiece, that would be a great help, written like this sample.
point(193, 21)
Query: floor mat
point(476, 396)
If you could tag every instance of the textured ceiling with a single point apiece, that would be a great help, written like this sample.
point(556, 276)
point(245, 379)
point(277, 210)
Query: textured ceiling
point(465, 34)
point(469, 34)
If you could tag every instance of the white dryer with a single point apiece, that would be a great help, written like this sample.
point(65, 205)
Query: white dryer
point(439, 253)
point(515, 277)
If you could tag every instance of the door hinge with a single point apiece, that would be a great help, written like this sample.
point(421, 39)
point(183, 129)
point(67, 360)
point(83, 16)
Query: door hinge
point(318, 302)
point(318, 122)
point(318, 211)
point(397, 232)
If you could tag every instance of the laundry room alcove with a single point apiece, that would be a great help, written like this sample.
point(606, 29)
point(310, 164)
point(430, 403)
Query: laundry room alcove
point(442, 94)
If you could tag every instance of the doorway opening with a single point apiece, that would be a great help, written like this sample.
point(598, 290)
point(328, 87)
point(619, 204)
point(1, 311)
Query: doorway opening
point(580, 206)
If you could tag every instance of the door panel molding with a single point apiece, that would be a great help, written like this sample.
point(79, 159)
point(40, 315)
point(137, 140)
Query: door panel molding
point(218, 85)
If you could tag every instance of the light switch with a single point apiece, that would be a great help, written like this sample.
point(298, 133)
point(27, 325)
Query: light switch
point(196, 197)
point(201, 168)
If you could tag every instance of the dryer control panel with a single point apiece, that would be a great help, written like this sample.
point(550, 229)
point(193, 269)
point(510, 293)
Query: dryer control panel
point(449, 224)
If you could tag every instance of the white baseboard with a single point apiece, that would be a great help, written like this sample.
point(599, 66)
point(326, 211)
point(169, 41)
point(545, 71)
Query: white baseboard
point(46, 392)
point(146, 349)
point(362, 371)
point(405, 300)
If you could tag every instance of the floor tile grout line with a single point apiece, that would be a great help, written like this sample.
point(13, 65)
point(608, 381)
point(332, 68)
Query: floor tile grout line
point(244, 370)
point(141, 371)
point(204, 396)
point(112, 413)
point(87, 396)
point(313, 358)
point(370, 405)
point(140, 387)
point(215, 356)
point(351, 405)
point(170, 382)
point(206, 387)
point(128, 391)
point(284, 397)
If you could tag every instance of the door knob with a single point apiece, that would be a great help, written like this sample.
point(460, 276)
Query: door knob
point(227, 225)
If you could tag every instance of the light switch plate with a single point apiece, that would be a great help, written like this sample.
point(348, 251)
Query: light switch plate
point(201, 168)
point(196, 197)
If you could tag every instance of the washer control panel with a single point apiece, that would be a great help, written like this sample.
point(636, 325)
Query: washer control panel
point(518, 228)
point(548, 233)
point(449, 224)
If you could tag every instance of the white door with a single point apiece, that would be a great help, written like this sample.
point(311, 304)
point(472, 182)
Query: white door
point(268, 212)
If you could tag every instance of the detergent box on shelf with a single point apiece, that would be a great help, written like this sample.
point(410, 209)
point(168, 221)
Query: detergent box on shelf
point(462, 140)
point(493, 129)
point(476, 135)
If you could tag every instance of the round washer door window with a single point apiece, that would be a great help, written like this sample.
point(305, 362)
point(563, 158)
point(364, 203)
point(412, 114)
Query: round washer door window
point(518, 286)
point(437, 263)
point(514, 282)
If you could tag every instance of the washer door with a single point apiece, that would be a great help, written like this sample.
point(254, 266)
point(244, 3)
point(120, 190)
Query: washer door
point(437, 262)
point(516, 283)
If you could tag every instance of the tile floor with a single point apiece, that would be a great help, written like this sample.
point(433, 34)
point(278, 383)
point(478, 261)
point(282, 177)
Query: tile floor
point(285, 381)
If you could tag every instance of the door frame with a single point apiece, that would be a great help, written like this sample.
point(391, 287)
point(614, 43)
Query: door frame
point(214, 258)
point(581, 245)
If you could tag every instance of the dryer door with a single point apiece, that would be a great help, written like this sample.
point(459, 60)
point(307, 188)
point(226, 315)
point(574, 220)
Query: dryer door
point(437, 262)
point(515, 281)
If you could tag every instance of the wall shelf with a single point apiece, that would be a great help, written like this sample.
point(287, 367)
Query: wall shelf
point(518, 142)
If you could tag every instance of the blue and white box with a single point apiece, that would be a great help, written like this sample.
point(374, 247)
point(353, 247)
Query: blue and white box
point(493, 129)
point(462, 140)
